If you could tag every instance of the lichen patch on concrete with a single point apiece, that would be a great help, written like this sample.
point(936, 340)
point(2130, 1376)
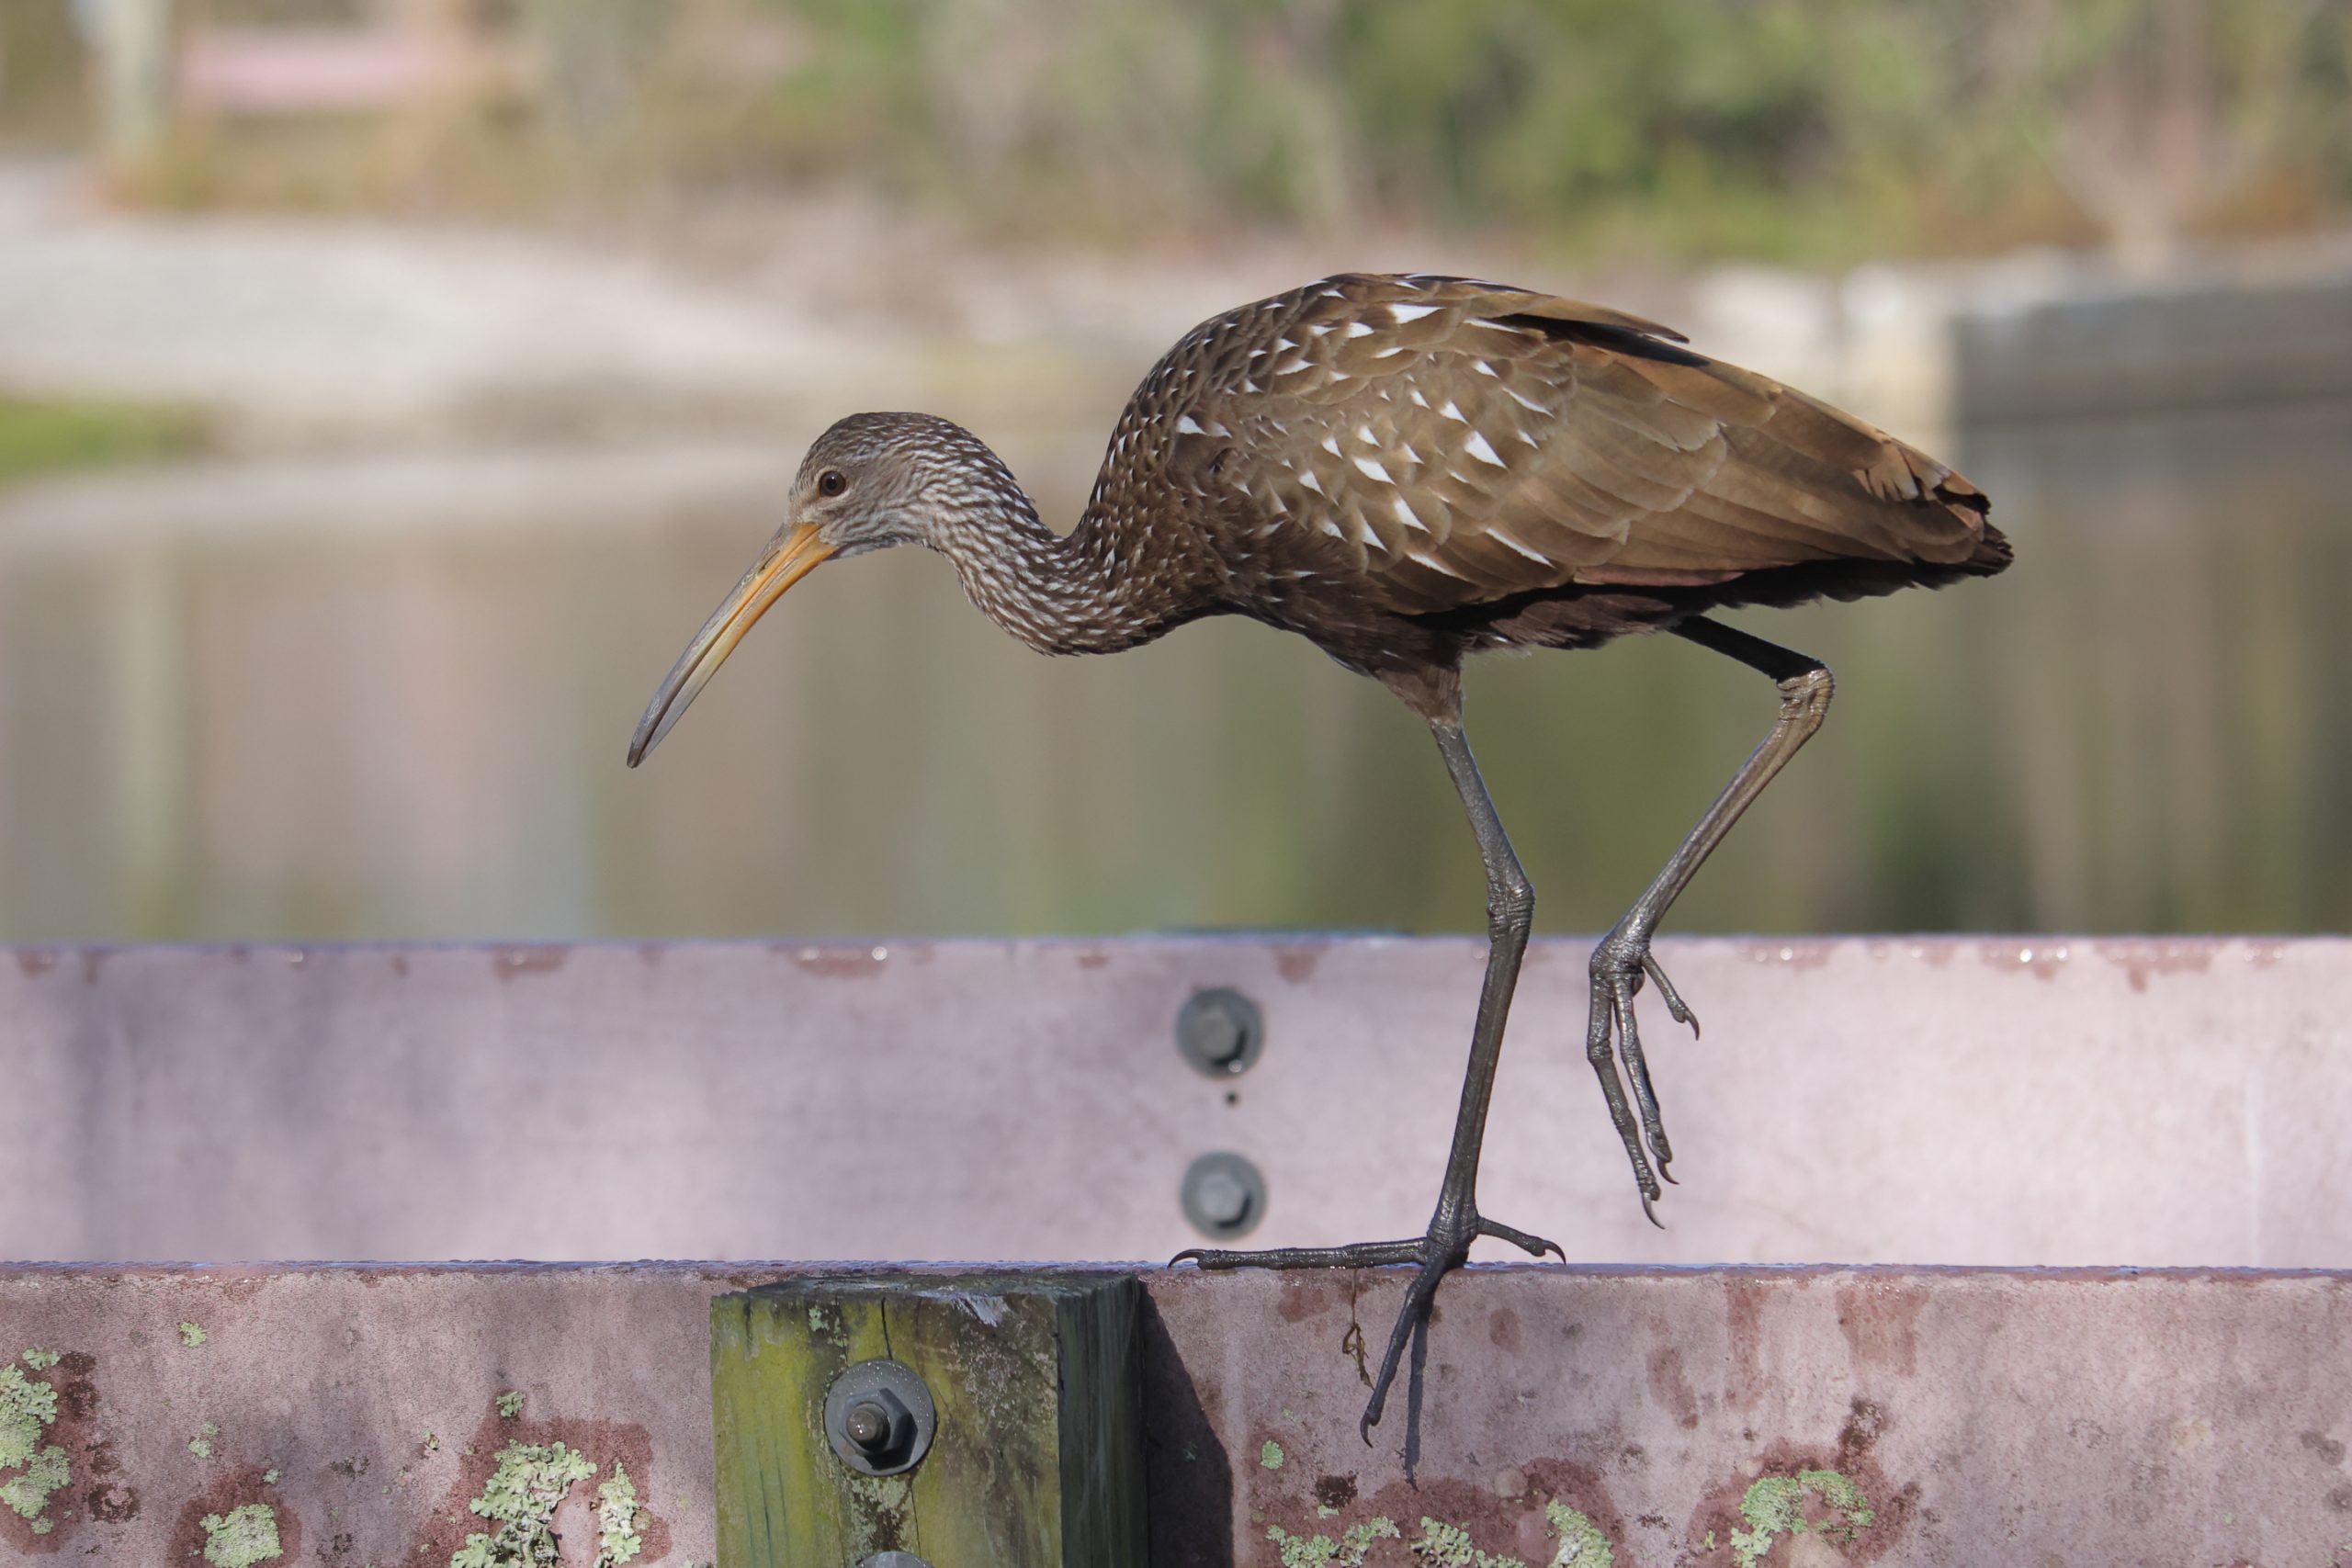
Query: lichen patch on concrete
point(510, 1404)
point(1444, 1545)
point(1582, 1544)
point(192, 1335)
point(617, 1516)
point(1775, 1506)
point(520, 1498)
point(41, 1361)
point(27, 1408)
point(1322, 1551)
point(243, 1536)
point(1271, 1456)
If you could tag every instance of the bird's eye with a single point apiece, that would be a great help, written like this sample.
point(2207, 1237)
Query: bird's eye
point(830, 482)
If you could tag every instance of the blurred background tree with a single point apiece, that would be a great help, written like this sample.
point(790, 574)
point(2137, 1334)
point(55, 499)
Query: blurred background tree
point(1812, 131)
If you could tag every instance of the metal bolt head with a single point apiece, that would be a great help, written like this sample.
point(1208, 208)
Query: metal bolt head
point(1222, 1199)
point(868, 1425)
point(1220, 1031)
point(1224, 1195)
point(878, 1417)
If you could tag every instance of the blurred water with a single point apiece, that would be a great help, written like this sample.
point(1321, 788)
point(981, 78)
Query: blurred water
point(389, 697)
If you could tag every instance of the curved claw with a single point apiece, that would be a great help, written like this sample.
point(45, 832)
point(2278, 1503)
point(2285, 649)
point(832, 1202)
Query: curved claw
point(1675, 1006)
point(1620, 966)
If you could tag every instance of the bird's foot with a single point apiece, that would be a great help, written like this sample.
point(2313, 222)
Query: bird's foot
point(1444, 1248)
point(1619, 965)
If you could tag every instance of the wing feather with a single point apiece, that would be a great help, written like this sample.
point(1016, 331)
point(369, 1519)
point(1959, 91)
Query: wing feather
point(1464, 442)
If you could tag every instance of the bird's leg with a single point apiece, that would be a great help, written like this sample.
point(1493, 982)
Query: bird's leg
point(1511, 914)
point(1623, 958)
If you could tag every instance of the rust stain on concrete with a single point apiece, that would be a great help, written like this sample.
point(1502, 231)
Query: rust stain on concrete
point(1296, 962)
point(94, 962)
point(507, 962)
point(399, 966)
point(2142, 959)
point(1503, 1330)
point(36, 962)
point(108, 1499)
point(1880, 1322)
point(242, 1486)
point(1792, 955)
point(1671, 1387)
point(1744, 1380)
point(836, 962)
point(1303, 1296)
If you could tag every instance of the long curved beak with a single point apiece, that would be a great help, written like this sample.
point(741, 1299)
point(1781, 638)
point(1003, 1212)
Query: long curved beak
point(793, 554)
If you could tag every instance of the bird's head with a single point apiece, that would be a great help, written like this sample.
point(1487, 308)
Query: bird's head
point(871, 482)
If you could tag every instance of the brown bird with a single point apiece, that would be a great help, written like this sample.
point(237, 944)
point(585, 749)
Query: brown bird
point(1406, 471)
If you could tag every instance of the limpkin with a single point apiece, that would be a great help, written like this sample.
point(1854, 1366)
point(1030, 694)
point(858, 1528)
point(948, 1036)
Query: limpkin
point(1406, 471)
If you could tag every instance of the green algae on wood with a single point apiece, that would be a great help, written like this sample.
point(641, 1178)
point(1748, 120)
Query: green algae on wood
point(1774, 1506)
point(1037, 1462)
point(243, 1536)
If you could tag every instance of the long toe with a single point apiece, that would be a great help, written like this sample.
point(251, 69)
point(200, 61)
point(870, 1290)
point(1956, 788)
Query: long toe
point(1614, 1045)
point(1534, 1245)
point(1360, 1255)
point(1420, 1297)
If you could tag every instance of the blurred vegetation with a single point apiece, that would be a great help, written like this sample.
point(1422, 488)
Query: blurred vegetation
point(1803, 130)
point(45, 436)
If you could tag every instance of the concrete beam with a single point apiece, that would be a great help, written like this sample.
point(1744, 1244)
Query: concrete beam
point(2060, 1418)
point(1976, 1101)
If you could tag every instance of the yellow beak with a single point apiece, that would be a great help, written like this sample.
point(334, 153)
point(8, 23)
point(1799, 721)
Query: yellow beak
point(793, 554)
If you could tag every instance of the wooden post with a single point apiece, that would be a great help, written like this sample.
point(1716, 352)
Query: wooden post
point(1037, 1462)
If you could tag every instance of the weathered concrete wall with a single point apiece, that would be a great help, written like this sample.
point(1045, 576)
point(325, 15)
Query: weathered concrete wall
point(2054, 1420)
point(2016, 1100)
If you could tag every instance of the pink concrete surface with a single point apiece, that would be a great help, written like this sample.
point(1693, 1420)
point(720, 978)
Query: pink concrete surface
point(1979, 1099)
point(2069, 1419)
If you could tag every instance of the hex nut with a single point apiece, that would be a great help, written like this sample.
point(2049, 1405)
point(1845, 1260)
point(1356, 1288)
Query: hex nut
point(1220, 1031)
point(879, 1417)
point(1224, 1195)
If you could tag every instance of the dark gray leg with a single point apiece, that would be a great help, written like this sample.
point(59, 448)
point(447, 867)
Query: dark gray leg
point(1510, 913)
point(1623, 958)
